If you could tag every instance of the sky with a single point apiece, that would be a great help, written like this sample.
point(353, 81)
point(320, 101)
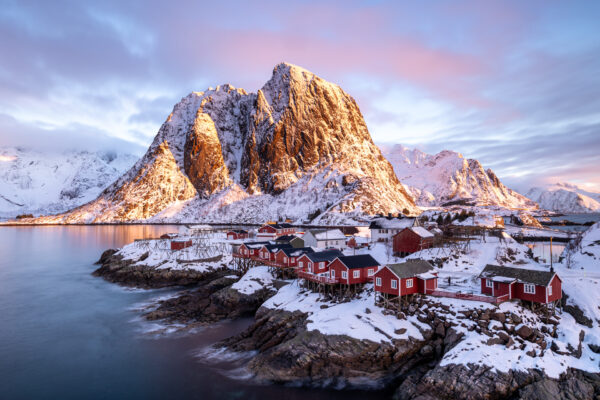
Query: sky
point(514, 84)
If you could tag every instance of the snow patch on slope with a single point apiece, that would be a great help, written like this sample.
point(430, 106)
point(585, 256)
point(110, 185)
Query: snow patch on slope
point(565, 198)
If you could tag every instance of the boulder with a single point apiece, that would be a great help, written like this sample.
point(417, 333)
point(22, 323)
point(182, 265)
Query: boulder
point(524, 331)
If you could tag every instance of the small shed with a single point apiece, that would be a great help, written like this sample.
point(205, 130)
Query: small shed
point(237, 234)
point(325, 238)
point(411, 240)
point(292, 240)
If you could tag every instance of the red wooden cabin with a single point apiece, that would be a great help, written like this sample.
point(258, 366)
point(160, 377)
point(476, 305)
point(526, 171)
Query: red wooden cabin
point(352, 270)
point(237, 234)
point(411, 240)
point(288, 257)
point(273, 231)
point(180, 244)
point(250, 249)
point(318, 262)
point(411, 277)
point(508, 283)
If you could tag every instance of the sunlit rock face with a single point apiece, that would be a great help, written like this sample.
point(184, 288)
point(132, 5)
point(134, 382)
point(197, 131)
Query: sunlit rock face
point(297, 146)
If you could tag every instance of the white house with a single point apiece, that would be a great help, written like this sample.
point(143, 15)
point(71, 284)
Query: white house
point(325, 238)
point(382, 229)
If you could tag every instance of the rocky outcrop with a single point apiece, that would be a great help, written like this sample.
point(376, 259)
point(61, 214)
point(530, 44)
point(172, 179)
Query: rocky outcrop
point(296, 141)
point(212, 301)
point(130, 273)
point(474, 382)
point(288, 353)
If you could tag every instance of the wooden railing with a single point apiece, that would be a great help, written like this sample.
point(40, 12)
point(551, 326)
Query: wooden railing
point(467, 296)
point(316, 278)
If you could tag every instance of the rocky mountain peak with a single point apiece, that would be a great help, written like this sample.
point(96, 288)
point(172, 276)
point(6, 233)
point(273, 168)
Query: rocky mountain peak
point(298, 137)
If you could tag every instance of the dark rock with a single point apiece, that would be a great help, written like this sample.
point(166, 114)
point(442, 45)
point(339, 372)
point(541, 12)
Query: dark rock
point(524, 332)
point(106, 255)
point(494, 340)
point(499, 316)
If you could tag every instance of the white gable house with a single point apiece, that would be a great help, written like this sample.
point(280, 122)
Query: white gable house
point(382, 229)
point(325, 238)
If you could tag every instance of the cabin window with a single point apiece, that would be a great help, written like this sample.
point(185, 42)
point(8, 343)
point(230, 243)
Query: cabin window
point(301, 264)
point(322, 264)
point(529, 288)
point(344, 274)
point(370, 272)
point(394, 284)
point(310, 267)
point(285, 259)
point(488, 283)
point(356, 273)
point(333, 273)
point(378, 281)
point(549, 290)
point(409, 283)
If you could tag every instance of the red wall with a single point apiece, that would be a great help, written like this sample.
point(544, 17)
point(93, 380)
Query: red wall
point(406, 241)
point(484, 289)
point(386, 281)
point(180, 245)
point(267, 229)
point(556, 289)
point(338, 266)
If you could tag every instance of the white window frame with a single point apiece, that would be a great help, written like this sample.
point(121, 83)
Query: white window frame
point(301, 264)
point(529, 288)
point(370, 272)
point(285, 260)
point(489, 283)
point(550, 290)
point(378, 281)
point(394, 284)
point(310, 267)
point(356, 273)
point(409, 283)
point(332, 272)
point(344, 274)
point(322, 264)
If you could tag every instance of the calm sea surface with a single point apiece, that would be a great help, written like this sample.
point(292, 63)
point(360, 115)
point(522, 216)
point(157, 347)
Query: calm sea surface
point(67, 335)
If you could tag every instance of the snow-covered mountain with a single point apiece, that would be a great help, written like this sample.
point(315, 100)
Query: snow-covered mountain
point(44, 183)
point(446, 177)
point(565, 198)
point(297, 147)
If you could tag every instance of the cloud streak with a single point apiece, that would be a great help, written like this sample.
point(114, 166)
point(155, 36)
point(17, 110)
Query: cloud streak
point(512, 83)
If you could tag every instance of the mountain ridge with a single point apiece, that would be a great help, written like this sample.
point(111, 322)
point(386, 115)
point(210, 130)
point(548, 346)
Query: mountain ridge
point(565, 198)
point(298, 146)
point(445, 177)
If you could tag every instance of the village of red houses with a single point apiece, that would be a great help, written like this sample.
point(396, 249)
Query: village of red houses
point(339, 262)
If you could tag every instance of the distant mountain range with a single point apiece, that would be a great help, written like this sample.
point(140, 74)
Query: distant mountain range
point(449, 178)
point(39, 182)
point(565, 198)
point(298, 148)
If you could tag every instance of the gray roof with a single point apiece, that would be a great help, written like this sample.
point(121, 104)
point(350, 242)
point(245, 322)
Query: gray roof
point(359, 261)
point(537, 277)
point(410, 268)
point(296, 252)
point(325, 255)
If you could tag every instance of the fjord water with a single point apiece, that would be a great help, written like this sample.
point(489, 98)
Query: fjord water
point(65, 334)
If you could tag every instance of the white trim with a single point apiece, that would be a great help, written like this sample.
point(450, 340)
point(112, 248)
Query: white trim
point(332, 273)
point(394, 284)
point(354, 273)
point(370, 272)
point(489, 283)
point(378, 281)
point(409, 282)
point(345, 275)
point(527, 288)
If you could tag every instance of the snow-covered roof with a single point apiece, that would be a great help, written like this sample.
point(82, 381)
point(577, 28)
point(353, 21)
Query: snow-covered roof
point(536, 277)
point(327, 234)
point(410, 268)
point(393, 223)
point(424, 233)
point(427, 275)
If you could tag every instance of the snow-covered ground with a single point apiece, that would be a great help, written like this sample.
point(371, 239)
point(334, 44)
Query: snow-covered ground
point(158, 254)
point(255, 279)
point(358, 318)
